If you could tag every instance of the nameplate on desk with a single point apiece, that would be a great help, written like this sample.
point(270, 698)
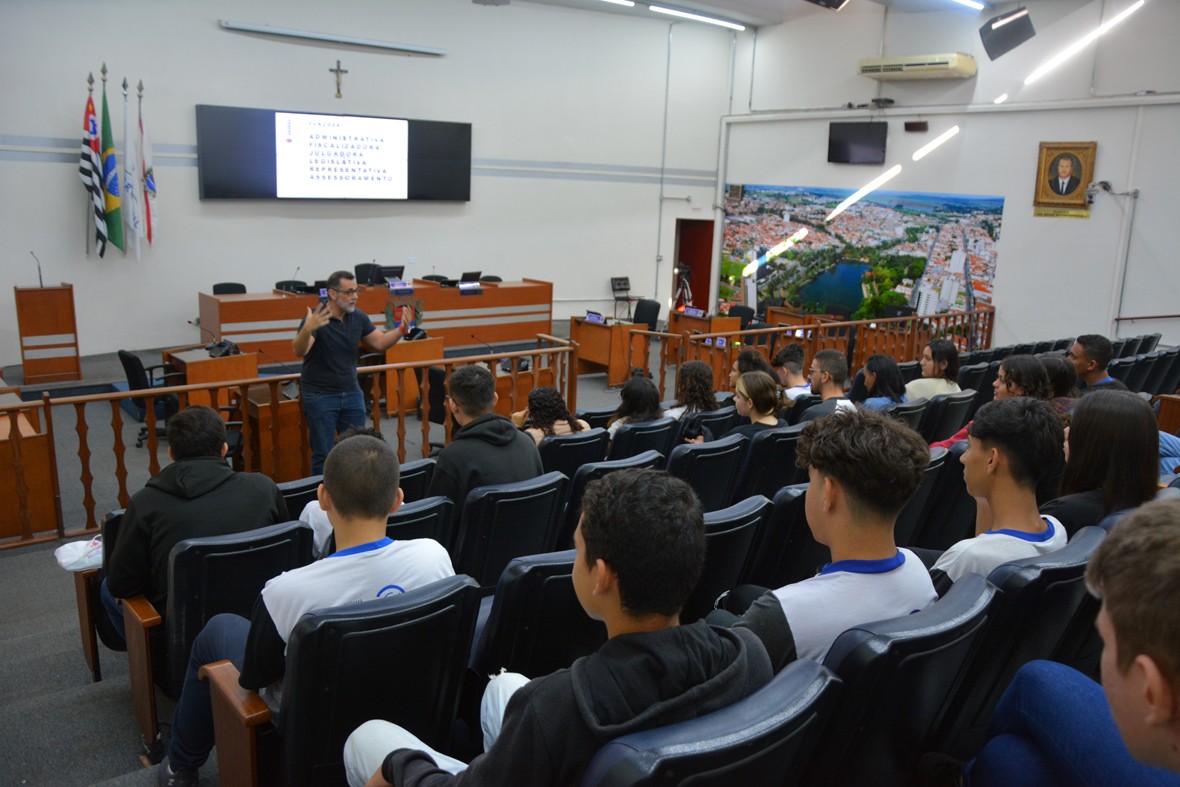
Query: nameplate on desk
point(595, 317)
point(399, 287)
point(470, 288)
point(691, 312)
point(720, 341)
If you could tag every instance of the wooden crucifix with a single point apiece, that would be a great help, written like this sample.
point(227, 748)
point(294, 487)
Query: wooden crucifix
point(339, 72)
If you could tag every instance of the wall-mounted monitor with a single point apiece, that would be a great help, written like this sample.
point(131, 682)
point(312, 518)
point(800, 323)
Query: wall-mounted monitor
point(857, 143)
point(263, 154)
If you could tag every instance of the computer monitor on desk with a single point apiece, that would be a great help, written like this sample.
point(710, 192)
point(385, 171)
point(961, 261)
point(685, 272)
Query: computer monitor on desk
point(471, 276)
point(393, 272)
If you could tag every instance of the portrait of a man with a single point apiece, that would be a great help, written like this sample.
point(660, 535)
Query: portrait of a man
point(1064, 179)
point(1063, 170)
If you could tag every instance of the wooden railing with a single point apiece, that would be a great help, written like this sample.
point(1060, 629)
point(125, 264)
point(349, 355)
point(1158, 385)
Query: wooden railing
point(36, 514)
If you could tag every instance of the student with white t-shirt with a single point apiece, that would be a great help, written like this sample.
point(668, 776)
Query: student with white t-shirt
point(863, 468)
point(1010, 445)
point(359, 491)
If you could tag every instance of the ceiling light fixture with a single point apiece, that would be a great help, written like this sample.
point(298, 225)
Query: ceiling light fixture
point(996, 23)
point(970, 4)
point(627, 3)
point(1000, 99)
point(1079, 45)
point(709, 20)
point(864, 190)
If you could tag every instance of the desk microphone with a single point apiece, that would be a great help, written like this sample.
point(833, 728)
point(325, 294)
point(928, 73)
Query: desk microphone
point(40, 281)
point(291, 389)
point(293, 275)
point(217, 348)
point(491, 349)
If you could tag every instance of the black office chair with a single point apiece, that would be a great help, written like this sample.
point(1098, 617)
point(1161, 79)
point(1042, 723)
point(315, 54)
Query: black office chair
point(802, 404)
point(432, 517)
point(743, 313)
point(415, 479)
point(503, 521)
point(648, 460)
point(909, 413)
point(711, 469)
point(1160, 372)
point(399, 658)
point(299, 493)
point(229, 288)
point(597, 419)
point(910, 371)
point(787, 552)
point(898, 674)
point(206, 576)
point(971, 376)
point(718, 421)
point(730, 536)
point(647, 312)
point(291, 285)
point(490, 278)
point(434, 277)
point(142, 378)
point(770, 463)
point(946, 414)
point(913, 517)
point(368, 273)
point(566, 453)
point(766, 738)
point(1038, 601)
point(635, 438)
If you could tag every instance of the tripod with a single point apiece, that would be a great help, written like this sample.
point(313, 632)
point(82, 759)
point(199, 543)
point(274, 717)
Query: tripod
point(683, 290)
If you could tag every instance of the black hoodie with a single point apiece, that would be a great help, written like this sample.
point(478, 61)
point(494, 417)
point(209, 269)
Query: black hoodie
point(553, 726)
point(488, 450)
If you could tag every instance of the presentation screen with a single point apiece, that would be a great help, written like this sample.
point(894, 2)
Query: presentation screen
point(857, 143)
point(263, 154)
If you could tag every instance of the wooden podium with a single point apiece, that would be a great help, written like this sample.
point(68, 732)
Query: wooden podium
point(604, 348)
point(407, 352)
point(198, 367)
point(48, 333)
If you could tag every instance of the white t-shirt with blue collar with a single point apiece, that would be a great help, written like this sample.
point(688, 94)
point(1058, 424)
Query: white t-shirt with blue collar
point(981, 554)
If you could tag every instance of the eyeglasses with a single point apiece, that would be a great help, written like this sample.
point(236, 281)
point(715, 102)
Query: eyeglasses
point(347, 293)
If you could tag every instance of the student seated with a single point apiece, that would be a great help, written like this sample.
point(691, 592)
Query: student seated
point(1012, 444)
point(828, 373)
point(880, 385)
point(1018, 375)
point(640, 550)
point(547, 415)
point(639, 401)
point(940, 371)
point(748, 360)
point(863, 468)
point(694, 390)
point(1090, 355)
point(317, 518)
point(754, 398)
point(788, 367)
point(1063, 382)
point(359, 491)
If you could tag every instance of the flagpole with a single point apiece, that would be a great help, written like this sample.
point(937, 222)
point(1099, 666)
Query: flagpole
point(88, 214)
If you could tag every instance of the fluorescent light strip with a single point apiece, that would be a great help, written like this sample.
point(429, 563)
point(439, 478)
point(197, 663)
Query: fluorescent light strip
point(659, 9)
point(627, 3)
point(332, 38)
point(970, 4)
point(1000, 99)
point(869, 187)
point(1079, 45)
point(922, 152)
point(996, 25)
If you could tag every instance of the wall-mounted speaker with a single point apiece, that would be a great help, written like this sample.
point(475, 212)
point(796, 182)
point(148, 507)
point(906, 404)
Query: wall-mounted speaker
point(833, 5)
point(1005, 32)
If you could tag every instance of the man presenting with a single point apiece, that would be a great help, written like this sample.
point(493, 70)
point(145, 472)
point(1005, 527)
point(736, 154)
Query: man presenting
point(327, 342)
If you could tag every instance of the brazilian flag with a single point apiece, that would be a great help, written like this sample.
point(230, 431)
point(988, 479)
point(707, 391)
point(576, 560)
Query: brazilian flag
point(110, 178)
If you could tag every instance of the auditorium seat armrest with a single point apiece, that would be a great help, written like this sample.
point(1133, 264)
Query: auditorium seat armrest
point(89, 605)
point(237, 712)
point(140, 618)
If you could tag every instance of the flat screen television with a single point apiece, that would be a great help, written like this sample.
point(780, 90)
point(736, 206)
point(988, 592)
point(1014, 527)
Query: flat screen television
point(262, 154)
point(857, 143)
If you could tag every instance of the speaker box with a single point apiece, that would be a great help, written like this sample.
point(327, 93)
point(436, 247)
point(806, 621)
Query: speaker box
point(1005, 32)
point(833, 5)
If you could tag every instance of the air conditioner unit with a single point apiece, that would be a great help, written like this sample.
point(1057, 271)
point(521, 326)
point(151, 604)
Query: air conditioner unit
point(953, 66)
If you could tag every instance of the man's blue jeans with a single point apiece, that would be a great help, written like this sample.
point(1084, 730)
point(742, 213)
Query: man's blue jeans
point(113, 609)
point(329, 412)
point(224, 637)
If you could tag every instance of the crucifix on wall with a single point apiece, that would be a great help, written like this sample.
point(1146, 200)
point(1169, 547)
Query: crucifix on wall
point(339, 72)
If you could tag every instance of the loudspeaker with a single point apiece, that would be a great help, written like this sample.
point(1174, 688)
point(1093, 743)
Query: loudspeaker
point(834, 5)
point(1005, 32)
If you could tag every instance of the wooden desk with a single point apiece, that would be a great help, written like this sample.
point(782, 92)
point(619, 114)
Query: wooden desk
point(681, 324)
point(198, 367)
point(511, 311)
point(34, 449)
point(292, 460)
point(48, 333)
point(787, 315)
point(407, 352)
point(604, 348)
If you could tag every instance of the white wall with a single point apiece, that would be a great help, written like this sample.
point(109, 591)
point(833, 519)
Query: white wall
point(1055, 276)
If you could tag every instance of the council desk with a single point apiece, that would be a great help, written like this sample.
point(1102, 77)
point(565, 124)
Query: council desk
point(510, 311)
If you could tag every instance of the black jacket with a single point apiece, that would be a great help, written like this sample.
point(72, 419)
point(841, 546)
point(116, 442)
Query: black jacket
point(191, 498)
point(489, 450)
point(554, 725)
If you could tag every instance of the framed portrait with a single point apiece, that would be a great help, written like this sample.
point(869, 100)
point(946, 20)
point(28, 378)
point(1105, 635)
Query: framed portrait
point(1064, 170)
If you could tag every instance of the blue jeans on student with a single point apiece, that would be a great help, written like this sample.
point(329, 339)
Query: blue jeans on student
point(224, 637)
point(329, 412)
point(1053, 727)
point(113, 610)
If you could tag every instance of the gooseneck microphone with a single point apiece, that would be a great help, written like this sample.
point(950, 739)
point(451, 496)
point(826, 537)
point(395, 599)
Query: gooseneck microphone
point(40, 281)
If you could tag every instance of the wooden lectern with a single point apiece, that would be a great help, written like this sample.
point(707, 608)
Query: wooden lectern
point(48, 334)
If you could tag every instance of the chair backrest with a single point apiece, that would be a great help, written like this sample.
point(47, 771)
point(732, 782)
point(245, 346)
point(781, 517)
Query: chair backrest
point(986, 391)
point(215, 574)
point(137, 379)
point(503, 521)
point(718, 421)
point(898, 675)
point(299, 493)
point(946, 415)
point(229, 288)
point(770, 463)
point(435, 277)
point(910, 370)
point(1171, 381)
point(368, 273)
point(730, 536)
point(766, 738)
point(436, 398)
point(597, 419)
point(1121, 368)
point(431, 517)
point(648, 460)
point(1039, 600)
point(743, 313)
point(951, 516)
point(110, 534)
point(910, 413)
point(787, 552)
point(491, 278)
point(1144, 363)
point(801, 405)
point(290, 285)
point(647, 312)
point(635, 438)
point(1150, 342)
point(912, 518)
point(415, 479)
point(711, 469)
point(536, 624)
point(399, 658)
point(1042, 346)
point(1154, 384)
point(567, 452)
point(971, 376)
point(1126, 347)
